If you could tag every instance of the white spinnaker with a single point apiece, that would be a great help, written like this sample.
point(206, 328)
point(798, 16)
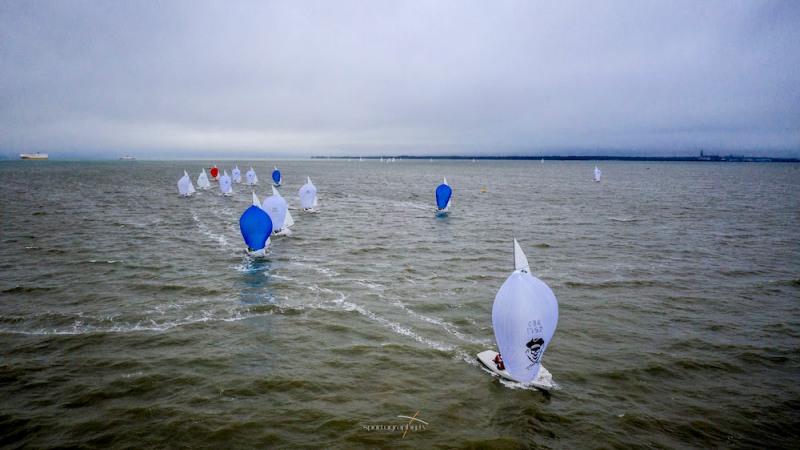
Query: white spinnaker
point(308, 195)
point(183, 185)
point(236, 174)
point(524, 317)
point(251, 177)
point(225, 183)
point(202, 180)
point(276, 207)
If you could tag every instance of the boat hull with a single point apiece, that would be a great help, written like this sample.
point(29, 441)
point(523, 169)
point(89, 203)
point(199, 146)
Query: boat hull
point(544, 381)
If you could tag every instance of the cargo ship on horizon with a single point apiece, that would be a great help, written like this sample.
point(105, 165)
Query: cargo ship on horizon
point(36, 155)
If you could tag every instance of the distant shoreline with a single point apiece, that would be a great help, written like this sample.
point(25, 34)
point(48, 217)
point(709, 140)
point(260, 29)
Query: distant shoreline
point(729, 158)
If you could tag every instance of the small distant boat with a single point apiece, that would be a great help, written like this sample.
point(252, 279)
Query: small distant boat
point(278, 211)
point(308, 196)
point(225, 184)
point(185, 186)
point(276, 177)
point(597, 174)
point(236, 174)
point(256, 226)
point(252, 178)
point(202, 180)
point(443, 196)
point(542, 160)
point(127, 158)
point(524, 318)
point(36, 155)
point(214, 172)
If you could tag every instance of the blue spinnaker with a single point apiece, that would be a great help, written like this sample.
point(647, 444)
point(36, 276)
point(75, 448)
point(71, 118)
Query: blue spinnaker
point(443, 193)
point(276, 177)
point(256, 227)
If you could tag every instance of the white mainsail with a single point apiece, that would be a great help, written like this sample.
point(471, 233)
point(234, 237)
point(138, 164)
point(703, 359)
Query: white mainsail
point(191, 186)
point(597, 173)
point(185, 187)
point(225, 184)
point(236, 174)
point(308, 195)
point(524, 317)
point(202, 180)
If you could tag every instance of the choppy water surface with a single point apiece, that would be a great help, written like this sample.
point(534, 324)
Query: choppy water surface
point(130, 318)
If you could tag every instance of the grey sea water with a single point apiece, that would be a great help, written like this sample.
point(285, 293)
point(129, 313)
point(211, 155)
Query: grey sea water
point(130, 317)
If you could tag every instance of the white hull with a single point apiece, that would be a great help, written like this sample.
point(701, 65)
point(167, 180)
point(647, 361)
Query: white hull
point(311, 210)
point(543, 381)
point(257, 253)
point(283, 232)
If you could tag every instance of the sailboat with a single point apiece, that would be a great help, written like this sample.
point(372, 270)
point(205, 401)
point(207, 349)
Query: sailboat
point(278, 211)
point(236, 174)
point(225, 184)
point(308, 196)
point(214, 171)
point(542, 160)
point(443, 195)
point(276, 177)
point(202, 180)
point(597, 174)
point(185, 186)
point(252, 178)
point(256, 226)
point(524, 318)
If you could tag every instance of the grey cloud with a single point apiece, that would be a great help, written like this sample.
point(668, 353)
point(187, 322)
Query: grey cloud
point(433, 77)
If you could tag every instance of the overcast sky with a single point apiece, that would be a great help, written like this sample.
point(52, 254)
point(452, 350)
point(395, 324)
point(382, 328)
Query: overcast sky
point(297, 78)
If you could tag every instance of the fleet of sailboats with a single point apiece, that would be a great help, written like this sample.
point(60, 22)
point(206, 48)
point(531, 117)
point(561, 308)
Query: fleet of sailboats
point(525, 310)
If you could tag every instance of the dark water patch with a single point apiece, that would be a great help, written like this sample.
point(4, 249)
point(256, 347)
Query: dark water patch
point(29, 290)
